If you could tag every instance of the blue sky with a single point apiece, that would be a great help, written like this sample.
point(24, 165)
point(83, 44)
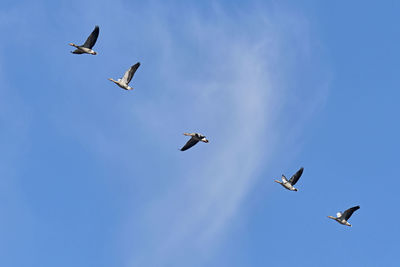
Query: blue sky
point(92, 175)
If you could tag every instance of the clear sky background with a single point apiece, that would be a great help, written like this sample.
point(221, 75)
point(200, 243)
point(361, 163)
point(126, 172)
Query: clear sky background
point(92, 175)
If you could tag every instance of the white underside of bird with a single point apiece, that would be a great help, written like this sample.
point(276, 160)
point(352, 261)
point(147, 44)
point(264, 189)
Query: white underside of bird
point(121, 84)
point(340, 220)
point(82, 50)
point(285, 183)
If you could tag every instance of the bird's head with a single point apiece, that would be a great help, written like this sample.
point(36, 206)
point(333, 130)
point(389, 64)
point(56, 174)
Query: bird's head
point(93, 53)
point(204, 140)
point(295, 189)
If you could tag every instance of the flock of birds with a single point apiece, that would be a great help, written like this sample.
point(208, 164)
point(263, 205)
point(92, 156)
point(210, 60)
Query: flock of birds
point(289, 185)
point(123, 82)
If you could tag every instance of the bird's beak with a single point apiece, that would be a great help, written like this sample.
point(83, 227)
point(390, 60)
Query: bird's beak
point(205, 141)
point(276, 181)
point(71, 44)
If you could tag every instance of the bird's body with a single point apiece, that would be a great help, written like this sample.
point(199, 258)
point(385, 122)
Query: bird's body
point(342, 218)
point(82, 50)
point(124, 81)
point(195, 138)
point(285, 183)
point(121, 84)
point(86, 48)
point(293, 180)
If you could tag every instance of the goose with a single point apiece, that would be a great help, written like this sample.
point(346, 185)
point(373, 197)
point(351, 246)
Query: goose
point(196, 137)
point(293, 180)
point(124, 81)
point(342, 218)
point(86, 48)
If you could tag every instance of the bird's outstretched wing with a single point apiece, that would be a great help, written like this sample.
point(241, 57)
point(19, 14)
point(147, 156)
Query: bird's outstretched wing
point(347, 214)
point(129, 73)
point(192, 141)
point(293, 180)
point(91, 40)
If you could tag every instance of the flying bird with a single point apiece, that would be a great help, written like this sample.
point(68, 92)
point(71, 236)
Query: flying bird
point(342, 218)
point(196, 137)
point(124, 81)
point(293, 180)
point(86, 48)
